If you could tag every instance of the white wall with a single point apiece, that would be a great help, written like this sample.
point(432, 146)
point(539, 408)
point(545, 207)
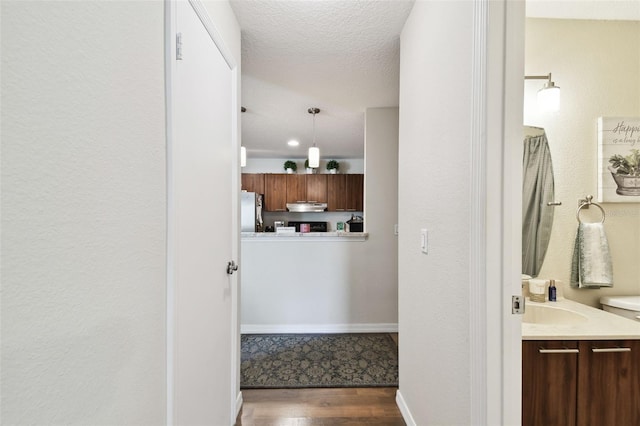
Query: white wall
point(434, 193)
point(83, 203)
point(338, 286)
point(596, 64)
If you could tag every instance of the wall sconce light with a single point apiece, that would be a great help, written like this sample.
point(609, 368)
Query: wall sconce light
point(549, 95)
point(314, 151)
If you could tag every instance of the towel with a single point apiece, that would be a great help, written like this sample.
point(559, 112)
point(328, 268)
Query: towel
point(591, 266)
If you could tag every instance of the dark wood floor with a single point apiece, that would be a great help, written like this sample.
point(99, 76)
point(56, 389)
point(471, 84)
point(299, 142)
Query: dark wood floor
point(326, 407)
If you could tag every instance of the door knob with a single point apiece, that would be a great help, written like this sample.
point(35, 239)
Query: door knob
point(231, 267)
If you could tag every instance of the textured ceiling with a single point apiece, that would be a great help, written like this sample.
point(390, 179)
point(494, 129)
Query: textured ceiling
point(342, 57)
point(339, 56)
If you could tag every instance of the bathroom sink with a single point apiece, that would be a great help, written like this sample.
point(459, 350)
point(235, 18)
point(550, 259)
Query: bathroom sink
point(541, 314)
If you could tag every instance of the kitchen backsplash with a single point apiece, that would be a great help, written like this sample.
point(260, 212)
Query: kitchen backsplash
point(332, 218)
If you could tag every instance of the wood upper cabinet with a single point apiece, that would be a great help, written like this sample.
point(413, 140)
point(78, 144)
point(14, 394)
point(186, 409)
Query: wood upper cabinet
point(296, 188)
point(253, 182)
point(355, 193)
point(336, 193)
point(345, 192)
point(317, 188)
point(581, 382)
point(275, 192)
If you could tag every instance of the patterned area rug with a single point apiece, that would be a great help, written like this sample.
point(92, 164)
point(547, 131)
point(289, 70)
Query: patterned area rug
point(318, 361)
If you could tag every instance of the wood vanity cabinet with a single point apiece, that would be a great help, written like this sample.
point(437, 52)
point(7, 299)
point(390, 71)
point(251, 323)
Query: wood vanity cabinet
point(275, 192)
point(345, 193)
point(253, 182)
point(581, 382)
point(609, 382)
point(549, 377)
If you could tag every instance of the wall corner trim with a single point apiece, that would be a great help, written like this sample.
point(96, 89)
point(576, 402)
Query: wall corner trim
point(404, 409)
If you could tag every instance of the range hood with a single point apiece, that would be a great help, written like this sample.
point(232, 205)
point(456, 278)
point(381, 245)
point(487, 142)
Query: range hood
point(306, 207)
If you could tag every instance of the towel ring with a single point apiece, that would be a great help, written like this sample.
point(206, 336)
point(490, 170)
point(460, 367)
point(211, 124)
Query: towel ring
point(585, 204)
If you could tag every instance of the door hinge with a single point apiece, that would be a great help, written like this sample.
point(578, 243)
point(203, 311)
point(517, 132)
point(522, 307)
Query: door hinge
point(178, 46)
point(517, 305)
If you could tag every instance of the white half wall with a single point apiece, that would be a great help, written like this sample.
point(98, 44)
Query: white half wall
point(83, 213)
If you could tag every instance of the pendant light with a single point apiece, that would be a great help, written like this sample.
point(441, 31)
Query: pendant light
point(314, 151)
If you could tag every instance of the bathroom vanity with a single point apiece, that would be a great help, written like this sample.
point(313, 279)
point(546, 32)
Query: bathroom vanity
point(580, 366)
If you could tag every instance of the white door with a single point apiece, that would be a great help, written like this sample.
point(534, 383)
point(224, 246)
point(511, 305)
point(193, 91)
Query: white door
point(200, 227)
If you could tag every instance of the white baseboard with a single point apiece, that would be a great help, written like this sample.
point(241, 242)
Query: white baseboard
point(239, 402)
point(318, 328)
point(404, 410)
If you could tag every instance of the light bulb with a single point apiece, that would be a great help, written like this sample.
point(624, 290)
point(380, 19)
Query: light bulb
point(549, 98)
point(314, 156)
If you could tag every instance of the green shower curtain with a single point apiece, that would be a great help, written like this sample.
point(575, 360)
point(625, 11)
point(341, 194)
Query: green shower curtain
point(537, 191)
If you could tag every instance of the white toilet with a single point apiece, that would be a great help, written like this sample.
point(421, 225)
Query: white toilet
point(626, 306)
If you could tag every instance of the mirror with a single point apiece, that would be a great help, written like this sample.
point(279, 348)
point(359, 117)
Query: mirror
point(597, 65)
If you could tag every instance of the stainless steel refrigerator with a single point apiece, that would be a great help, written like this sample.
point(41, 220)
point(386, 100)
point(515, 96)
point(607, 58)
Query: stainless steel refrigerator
point(251, 212)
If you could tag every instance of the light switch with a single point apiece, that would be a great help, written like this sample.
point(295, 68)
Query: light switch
point(424, 241)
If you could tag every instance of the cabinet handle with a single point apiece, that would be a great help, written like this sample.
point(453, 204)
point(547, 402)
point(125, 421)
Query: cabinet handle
point(605, 350)
point(558, 351)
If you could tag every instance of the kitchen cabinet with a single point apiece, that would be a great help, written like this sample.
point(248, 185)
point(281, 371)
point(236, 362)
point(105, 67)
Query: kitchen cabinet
point(355, 193)
point(588, 382)
point(275, 192)
point(253, 182)
point(345, 192)
point(317, 188)
point(296, 188)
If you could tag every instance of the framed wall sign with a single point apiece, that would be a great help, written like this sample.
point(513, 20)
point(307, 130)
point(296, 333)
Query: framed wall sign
point(619, 159)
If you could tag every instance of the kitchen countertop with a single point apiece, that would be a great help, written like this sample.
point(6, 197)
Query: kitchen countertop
point(600, 325)
point(304, 236)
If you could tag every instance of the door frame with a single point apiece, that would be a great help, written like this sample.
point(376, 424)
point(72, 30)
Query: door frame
point(496, 211)
point(169, 62)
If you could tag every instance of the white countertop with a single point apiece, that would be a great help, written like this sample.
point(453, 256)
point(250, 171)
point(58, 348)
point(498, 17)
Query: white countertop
point(600, 325)
point(304, 236)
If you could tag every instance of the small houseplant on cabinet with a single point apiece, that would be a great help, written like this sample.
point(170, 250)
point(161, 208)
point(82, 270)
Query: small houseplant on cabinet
point(333, 166)
point(290, 166)
point(310, 170)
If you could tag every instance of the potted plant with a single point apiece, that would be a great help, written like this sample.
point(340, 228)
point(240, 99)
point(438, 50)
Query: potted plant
point(290, 166)
point(333, 166)
point(626, 172)
point(310, 170)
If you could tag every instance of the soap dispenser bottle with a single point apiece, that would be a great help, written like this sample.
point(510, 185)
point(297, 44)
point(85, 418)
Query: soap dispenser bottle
point(552, 291)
